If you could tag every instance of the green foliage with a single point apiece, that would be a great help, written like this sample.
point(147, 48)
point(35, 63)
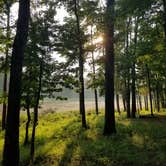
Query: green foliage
point(38, 61)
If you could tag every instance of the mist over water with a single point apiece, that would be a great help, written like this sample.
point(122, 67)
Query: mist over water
point(72, 102)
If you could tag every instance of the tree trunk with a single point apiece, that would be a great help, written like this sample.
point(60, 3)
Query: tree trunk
point(109, 126)
point(32, 150)
point(96, 102)
point(155, 100)
point(26, 140)
point(140, 102)
point(163, 100)
point(128, 98)
point(124, 103)
point(133, 91)
point(94, 75)
point(133, 86)
point(137, 104)
point(6, 68)
point(11, 145)
point(164, 17)
point(117, 103)
point(27, 127)
point(145, 103)
point(150, 91)
point(35, 122)
point(81, 67)
point(128, 71)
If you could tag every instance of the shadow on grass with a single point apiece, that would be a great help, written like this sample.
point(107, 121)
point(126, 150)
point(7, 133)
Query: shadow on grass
point(136, 143)
point(157, 118)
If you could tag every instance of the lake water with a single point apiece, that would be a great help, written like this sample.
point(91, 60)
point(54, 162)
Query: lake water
point(71, 104)
point(68, 105)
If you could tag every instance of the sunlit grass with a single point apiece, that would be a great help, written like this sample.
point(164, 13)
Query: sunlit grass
point(60, 140)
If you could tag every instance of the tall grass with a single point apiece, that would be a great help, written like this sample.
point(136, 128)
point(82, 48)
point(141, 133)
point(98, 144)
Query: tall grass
point(60, 140)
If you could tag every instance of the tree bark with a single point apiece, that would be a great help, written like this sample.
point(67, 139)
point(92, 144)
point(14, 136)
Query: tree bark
point(94, 75)
point(35, 122)
point(146, 102)
point(128, 71)
point(11, 145)
point(81, 67)
point(128, 97)
point(163, 100)
point(137, 104)
point(26, 140)
point(140, 102)
point(6, 68)
point(164, 17)
point(109, 126)
point(133, 91)
point(133, 73)
point(117, 103)
point(124, 103)
point(150, 90)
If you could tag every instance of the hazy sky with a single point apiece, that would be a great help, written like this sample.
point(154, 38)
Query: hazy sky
point(61, 13)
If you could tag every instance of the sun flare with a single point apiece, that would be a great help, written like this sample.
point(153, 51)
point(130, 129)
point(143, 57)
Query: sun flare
point(98, 40)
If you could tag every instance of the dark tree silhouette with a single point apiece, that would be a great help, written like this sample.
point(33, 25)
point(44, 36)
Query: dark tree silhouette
point(150, 89)
point(4, 108)
point(11, 146)
point(81, 67)
point(36, 111)
point(128, 71)
point(133, 71)
point(164, 17)
point(28, 119)
point(94, 75)
point(109, 127)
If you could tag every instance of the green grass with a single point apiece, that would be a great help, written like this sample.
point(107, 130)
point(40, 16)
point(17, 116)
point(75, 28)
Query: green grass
point(60, 140)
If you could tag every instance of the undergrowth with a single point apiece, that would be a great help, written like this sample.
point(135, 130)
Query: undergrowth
point(60, 141)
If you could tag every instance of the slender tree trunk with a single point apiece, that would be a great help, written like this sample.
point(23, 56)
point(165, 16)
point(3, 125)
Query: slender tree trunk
point(109, 126)
point(138, 108)
point(81, 66)
point(27, 127)
point(11, 145)
point(163, 100)
point(124, 103)
point(150, 91)
point(117, 103)
point(133, 91)
point(32, 150)
point(164, 17)
point(164, 20)
point(128, 71)
point(26, 140)
point(96, 101)
point(133, 86)
point(35, 122)
point(128, 98)
point(94, 75)
point(155, 100)
point(163, 96)
point(146, 102)
point(140, 102)
point(6, 68)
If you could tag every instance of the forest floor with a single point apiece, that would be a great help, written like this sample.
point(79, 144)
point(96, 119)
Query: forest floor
point(60, 141)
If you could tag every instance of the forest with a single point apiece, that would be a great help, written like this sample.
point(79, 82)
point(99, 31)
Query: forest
point(115, 49)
